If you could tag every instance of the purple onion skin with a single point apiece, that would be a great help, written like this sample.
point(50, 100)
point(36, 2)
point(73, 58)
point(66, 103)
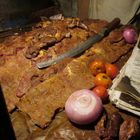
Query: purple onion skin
point(83, 107)
point(130, 35)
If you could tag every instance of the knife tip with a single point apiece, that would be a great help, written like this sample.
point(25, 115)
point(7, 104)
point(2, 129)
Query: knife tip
point(41, 65)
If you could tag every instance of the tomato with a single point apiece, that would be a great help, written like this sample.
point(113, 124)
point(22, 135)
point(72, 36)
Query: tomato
point(101, 91)
point(111, 70)
point(102, 79)
point(97, 66)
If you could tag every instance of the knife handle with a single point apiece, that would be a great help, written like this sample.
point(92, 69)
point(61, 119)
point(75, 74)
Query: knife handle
point(112, 25)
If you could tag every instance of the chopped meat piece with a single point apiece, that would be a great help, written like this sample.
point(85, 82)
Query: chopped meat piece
point(116, 36)
point(129, 129)
point(113, 125)
point(51, 33)
point(105, 49)
point(109, 129)
point(44, 38)
point(100, 128)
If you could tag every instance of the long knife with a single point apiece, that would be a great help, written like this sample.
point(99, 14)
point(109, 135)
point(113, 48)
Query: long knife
point(82, 47)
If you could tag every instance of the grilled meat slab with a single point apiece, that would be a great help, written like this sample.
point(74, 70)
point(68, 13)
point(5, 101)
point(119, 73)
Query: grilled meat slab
point(42, 101)
point(50, 93)
point(45, 91)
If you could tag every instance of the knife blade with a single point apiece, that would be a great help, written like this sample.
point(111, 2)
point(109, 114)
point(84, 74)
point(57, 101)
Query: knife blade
point(82, 47)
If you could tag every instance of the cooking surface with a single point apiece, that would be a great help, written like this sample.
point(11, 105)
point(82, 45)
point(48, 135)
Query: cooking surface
point(35, 96)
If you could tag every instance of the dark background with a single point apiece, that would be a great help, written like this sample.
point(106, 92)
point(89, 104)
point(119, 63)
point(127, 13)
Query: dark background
point(11, 8)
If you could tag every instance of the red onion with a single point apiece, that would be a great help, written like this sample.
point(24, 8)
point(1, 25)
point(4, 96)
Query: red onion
point(83, 107)
point(130, 35)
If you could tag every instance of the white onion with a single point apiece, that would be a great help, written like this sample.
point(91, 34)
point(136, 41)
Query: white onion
point(130, 35)
point(83, 107)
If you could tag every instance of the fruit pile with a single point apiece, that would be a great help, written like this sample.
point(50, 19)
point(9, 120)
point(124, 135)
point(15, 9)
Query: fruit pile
point(104, 74)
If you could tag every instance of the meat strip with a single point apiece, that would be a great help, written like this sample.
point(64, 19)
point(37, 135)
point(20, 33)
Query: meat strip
point(129, 129)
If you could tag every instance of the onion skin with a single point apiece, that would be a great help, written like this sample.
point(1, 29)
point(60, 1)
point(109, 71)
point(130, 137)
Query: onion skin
point(130, 35)
point(83, 107)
